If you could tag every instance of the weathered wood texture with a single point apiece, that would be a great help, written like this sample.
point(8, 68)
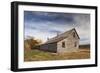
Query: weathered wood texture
point(69, 39)
point(51, 47)
point(71, 44)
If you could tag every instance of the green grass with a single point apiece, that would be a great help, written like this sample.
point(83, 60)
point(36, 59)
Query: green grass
point(37, 55)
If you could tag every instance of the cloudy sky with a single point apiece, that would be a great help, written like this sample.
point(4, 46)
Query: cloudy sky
point(43, 25)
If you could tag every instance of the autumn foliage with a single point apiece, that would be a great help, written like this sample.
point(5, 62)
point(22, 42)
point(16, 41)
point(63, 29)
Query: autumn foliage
point(31, 42)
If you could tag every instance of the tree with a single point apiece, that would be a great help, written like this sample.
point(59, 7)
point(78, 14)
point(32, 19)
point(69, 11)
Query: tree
point(31, 43)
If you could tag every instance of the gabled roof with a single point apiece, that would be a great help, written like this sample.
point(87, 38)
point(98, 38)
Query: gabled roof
point(61, 36)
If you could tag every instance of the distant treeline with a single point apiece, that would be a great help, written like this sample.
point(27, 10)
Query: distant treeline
point(84, 46)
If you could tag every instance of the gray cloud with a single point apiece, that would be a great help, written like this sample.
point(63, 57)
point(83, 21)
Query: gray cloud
point(46, 23)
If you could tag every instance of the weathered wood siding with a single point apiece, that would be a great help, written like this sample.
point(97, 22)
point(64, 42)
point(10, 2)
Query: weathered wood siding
point(51, 47)
point(69, 44)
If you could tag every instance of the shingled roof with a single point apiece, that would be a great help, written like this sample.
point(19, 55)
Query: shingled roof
point(61, 36)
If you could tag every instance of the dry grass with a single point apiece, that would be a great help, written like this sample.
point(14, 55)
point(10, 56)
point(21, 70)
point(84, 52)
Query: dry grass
point(37, 55)
point(81, 54)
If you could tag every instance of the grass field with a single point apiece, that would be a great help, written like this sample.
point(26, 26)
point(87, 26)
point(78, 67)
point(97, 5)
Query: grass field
point(37, 55)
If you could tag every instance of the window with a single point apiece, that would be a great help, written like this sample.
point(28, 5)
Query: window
point(63, 44)
point(73, 34)
point(75, 44)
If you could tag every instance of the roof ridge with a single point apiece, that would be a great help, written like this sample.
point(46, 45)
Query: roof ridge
point(62, 35)
point(68, 31)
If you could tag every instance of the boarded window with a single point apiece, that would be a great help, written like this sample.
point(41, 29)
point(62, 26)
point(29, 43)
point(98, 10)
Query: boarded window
point(63, 44)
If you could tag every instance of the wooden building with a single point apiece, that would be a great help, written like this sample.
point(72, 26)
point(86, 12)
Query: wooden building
point(64, 42)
